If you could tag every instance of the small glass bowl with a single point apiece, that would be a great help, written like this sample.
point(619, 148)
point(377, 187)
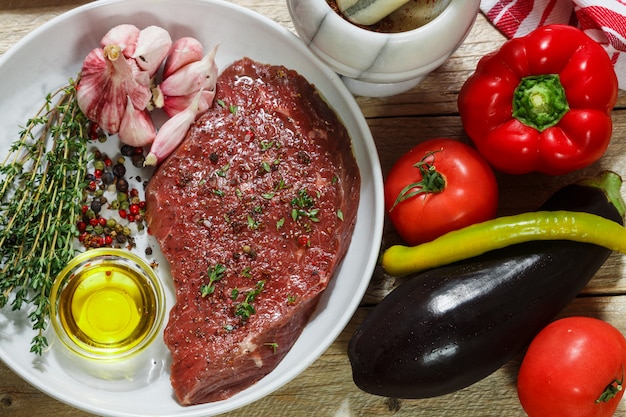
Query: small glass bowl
point(107, 308)
point(107, 304)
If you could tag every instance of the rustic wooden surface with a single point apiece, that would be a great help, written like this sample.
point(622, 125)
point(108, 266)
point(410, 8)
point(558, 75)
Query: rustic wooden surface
point(397, 123)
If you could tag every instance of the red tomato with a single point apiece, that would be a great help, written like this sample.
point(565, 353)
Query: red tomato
point(438, 186)
point(568, 368)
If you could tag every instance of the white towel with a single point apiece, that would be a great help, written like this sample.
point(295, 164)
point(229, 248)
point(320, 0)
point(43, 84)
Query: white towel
point(603, 20)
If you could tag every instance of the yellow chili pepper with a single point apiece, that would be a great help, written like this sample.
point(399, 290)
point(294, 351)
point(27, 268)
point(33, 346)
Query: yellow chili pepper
point(504, 231)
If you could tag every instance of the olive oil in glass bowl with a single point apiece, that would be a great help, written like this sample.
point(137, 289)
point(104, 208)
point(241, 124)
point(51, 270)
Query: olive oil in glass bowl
point(108, 307)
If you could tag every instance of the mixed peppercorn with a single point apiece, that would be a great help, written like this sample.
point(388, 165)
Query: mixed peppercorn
point(112, 210)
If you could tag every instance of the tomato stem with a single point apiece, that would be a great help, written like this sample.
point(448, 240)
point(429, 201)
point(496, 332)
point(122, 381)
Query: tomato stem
point(540, 101)
point(611, 390)
point(432, 181)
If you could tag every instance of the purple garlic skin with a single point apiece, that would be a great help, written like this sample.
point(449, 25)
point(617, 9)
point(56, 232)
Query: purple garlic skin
point(106, 81)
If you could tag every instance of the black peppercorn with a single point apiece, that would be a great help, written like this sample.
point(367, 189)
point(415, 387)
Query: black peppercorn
point(96, 205)
point(119, 170)
point(138, 160)
point(127, 150)
point(121, 185)
point(108, 177)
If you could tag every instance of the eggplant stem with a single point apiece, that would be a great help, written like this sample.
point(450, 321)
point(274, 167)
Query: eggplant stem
point(610, 183)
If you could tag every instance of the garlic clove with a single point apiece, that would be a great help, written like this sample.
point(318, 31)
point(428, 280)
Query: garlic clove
point(141, 76)
point(106, 80)
point(192, 77)
point(125, 36)
point(173, 105)
point(136, 127)
point(184, 51)
point(153, 44)
point(172, 133)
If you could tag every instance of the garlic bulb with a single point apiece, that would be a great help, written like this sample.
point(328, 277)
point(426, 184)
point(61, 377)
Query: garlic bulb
point(106, 81)
point(116, 88)
point(125, 36)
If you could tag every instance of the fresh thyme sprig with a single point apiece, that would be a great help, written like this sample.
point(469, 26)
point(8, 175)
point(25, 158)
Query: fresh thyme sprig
point(215, 273)
point(41, 186)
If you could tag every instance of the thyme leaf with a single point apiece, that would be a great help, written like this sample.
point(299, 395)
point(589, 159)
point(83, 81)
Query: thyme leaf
point(303, 207)
point(215, 273)
point(245, 308)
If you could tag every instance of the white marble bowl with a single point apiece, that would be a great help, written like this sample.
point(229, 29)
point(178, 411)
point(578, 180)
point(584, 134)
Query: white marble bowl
point(376, 64)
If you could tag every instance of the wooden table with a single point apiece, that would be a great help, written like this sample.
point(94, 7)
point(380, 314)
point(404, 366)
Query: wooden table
point(397, 123)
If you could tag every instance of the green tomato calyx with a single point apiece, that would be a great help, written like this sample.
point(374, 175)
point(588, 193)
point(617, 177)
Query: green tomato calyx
point(611, 390)
point(432, 180)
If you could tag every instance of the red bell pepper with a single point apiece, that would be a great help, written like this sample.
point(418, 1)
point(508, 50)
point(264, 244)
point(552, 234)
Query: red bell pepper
point(541, 102)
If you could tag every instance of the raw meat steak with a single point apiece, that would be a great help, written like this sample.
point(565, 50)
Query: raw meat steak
point(253, 211)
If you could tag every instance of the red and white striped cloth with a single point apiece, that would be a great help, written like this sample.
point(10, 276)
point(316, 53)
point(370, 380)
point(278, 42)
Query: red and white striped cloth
point(603, 20)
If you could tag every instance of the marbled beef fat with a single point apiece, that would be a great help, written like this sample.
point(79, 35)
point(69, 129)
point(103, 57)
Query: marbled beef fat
point(253, 211)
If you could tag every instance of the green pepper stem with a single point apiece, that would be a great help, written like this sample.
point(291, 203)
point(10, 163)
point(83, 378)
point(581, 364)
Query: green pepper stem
point(540, 101)
point(501, 232)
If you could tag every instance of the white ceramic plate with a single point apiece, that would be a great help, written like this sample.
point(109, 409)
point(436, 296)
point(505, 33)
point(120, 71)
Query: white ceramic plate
point(46, 58)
